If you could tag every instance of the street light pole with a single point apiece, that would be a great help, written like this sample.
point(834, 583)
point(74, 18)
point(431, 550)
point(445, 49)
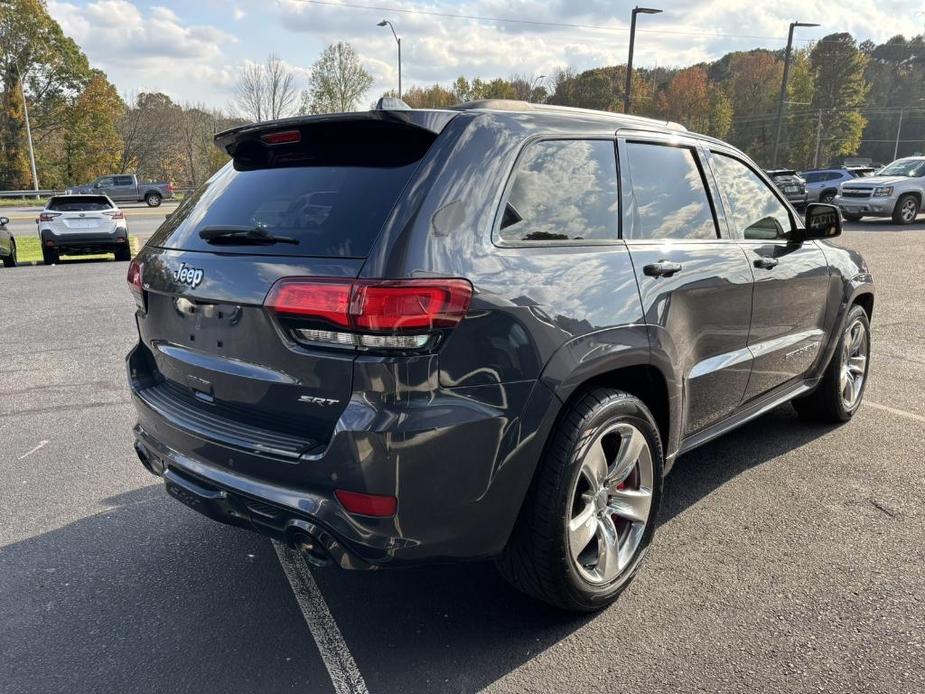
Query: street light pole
point(25, 111)
point(899, 128)
point(783, 87)
point(627, 91)
point(386, 22)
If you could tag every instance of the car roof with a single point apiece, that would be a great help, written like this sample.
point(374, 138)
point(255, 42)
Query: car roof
point(435, 120)
point(502, 106)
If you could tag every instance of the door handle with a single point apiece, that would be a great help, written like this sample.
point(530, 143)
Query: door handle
point(663, 268)
point(766, 263)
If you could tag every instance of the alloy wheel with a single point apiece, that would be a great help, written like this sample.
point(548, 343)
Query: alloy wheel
point(855, 349)
point(610, 503)
point(908, 211)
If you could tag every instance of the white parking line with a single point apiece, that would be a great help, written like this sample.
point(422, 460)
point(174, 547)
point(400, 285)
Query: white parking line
point(898, 413)
point(345, 675)
point(41, 445)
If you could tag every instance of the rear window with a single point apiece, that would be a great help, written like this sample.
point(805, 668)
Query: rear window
point(79, 203)
point(331, 192)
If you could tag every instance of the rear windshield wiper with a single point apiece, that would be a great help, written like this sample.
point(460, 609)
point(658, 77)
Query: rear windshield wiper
point(242, 235)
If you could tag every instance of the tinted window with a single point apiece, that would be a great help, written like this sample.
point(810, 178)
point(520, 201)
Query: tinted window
point(669, 197)
point(563, 190)
point(813, 177)
point(123, 180)
point(332, 192)
point(754, 211)
point(78, 203)
point(105, 182)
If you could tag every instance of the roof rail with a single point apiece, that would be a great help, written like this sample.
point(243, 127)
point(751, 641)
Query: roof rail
point(516, 105)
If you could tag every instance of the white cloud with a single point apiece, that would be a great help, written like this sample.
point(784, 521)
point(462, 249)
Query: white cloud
point(161, 48)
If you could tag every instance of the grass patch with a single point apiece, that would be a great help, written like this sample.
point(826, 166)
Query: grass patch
point(23, 202)
point(29, 250)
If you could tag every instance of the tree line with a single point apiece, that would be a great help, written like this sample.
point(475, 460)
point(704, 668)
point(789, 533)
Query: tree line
point(844, 98)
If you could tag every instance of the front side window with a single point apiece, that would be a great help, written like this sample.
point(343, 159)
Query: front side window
point(563, 190)
point(669, 196)
point(755, 212)
point(105, 182)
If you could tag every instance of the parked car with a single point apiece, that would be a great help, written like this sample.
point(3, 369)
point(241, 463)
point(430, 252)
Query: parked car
point(822, 184)
point(127, 188)
point(82, 225)
point(791, 184)
point(409, 336)
point(7, 244)
point(897, 191)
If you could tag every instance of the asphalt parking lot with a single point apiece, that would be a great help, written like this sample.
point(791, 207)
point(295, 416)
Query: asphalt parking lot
point(789, 557)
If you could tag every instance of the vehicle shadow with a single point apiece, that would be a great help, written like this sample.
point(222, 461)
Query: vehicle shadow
point(460, 628)
point(150, 596)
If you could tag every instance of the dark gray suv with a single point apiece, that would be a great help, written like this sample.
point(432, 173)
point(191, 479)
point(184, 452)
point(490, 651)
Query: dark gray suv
point(406, 336)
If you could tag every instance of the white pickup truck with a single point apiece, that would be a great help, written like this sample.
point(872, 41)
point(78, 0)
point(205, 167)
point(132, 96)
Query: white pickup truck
point(896, 191)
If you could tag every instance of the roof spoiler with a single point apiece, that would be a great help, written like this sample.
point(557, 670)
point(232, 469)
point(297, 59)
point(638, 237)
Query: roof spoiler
point(431, 121)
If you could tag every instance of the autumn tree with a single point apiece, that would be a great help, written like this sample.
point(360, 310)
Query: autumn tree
point(692, 100)
point(752, 86)
point(434, 96)
point(337, 83)
point(92, 143)
point(38, 59)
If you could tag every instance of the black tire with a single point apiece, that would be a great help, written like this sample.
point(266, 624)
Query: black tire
point(851, 217)
point(153, 199)
point(826, 404)
point(50, 256)
point(906, 210)
point(10, 260)
point(537, 559)
point(123, 254)
point(827, 196)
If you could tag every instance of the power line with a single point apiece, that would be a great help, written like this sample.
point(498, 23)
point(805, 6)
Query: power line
point(538, 22)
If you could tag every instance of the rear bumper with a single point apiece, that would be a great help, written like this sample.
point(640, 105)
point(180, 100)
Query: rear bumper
point(459, 466)
point(81, 242)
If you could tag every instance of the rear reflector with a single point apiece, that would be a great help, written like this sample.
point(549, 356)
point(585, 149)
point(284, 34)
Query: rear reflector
point(374, 305)
point(135, 285)
point(367, 504)
point(282, 137)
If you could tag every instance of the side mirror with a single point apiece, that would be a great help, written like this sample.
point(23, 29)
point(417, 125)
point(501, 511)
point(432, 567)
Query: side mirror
point(4, 221)
point(822, 221)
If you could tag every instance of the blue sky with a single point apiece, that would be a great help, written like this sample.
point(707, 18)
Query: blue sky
point(194, 50)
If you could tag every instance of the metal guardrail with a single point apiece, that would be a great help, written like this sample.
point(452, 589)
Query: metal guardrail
point(178, 190)
point(28, 193)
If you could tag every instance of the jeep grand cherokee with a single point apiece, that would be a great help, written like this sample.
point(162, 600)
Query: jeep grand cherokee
point(489, 331)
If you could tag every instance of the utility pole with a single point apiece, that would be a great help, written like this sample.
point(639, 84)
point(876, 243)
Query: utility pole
point(627, 91)
point(783, 88)
point(818, 139)
point(899, 128)
point(25, 110)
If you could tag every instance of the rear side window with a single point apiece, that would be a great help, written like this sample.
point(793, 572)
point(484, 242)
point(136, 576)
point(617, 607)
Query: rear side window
point(331, 192)
point(563, 190)
point(669, 198)
point(755, 212)
point(123, 180)
point(79, 203)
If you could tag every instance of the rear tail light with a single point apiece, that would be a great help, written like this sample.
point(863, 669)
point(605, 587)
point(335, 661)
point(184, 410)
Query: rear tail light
point(135, 285)
point(48, 216)
point(367, 504)
point(372, 314)
point(115, 214)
